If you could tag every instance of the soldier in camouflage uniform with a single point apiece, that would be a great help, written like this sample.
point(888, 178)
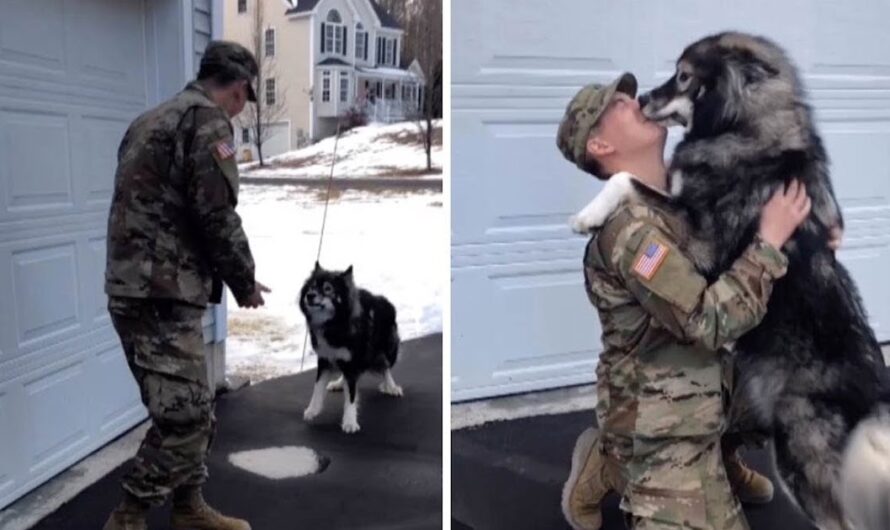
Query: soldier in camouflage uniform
point(173, 238)
point(661, 383)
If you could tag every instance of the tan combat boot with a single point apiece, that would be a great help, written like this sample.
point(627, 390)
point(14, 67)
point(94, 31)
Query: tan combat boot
point(748, 485)
point(190, 512)
point(129, 515)
point(593, 475)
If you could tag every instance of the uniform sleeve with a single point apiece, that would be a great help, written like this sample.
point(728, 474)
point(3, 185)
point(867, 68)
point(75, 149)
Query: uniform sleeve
point(212, 191)
point(667, 284)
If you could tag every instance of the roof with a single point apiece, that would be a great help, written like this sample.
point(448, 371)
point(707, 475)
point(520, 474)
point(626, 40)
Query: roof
point(303, 6)
point(333, 61)
point(390, 73)
point(386, 19)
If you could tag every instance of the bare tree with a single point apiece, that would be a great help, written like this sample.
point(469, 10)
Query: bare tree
point(423, 41)
point(257, 117)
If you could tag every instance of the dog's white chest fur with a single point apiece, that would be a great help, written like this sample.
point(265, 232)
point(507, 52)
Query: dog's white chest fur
point(326, 351)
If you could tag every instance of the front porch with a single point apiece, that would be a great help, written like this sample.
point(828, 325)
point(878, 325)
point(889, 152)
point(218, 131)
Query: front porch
point(381, 95)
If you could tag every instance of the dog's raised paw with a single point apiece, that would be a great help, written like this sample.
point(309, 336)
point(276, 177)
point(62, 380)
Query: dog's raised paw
point(391, 389)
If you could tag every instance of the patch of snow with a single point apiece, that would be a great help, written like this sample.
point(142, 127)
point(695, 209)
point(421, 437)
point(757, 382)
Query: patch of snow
point(372, 151)
point(279, 463)
point(394, 240)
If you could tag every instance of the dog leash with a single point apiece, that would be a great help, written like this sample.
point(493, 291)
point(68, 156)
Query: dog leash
point(324, 221)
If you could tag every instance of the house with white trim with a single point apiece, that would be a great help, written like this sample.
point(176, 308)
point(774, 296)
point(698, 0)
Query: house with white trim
point(330, 57)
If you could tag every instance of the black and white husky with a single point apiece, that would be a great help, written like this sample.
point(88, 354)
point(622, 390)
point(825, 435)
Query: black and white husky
point(353, 332)
point(811, 375)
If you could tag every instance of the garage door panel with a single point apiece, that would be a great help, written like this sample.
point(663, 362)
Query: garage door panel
point(35, 35)
point(110, 366)
point(97, 300)
point(512, 41)
point(110, 58)
point(493, 192)
point(39, 271)
point(36, 181)
point(56, 416)
point(7, 470)
point(101, 137)
point(522, 328)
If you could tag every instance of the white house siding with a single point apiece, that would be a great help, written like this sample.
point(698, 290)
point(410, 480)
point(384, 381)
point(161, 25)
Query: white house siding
point(73, 74)
point(521, 318)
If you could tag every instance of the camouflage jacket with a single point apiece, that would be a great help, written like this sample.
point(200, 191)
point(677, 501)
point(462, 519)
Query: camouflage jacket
point(173, 231)
point(660, 372)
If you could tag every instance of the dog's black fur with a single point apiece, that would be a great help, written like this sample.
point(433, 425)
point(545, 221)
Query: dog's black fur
point(812, 370)
point(352, 330)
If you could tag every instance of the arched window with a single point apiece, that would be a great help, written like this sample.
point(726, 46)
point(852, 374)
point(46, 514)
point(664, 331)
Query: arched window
point(361, 42)
point(333, 34)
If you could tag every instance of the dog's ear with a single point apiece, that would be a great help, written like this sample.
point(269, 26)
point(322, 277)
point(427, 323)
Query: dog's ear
point(317, 267)
point(347, 273)
point(755, 71)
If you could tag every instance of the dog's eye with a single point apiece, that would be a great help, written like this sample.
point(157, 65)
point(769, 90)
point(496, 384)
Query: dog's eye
point(328, 289)
point(682, 78)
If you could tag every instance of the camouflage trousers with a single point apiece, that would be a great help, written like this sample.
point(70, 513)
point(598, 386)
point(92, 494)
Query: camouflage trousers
point(164, 346)
point(681, 483)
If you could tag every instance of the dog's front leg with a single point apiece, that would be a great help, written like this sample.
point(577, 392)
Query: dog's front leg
point(350, 402)
point(322, 376)
point(594, 215)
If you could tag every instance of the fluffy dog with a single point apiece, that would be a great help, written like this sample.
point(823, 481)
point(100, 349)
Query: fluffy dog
point(352, 332)
point(812, 371)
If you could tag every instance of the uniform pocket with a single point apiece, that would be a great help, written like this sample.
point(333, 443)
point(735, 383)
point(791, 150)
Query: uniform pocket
point(685, 509)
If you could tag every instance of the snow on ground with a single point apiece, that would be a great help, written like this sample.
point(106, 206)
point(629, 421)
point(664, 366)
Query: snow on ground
point(378, 150)
point(395, 240)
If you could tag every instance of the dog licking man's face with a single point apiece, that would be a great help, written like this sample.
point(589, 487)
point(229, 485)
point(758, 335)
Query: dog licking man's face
point(622, 131)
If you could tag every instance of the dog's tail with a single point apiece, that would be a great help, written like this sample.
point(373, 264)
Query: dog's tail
point(865, 473)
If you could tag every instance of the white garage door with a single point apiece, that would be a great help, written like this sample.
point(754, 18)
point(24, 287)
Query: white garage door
point(279, 139)
point(72, 76)
point(520, 318)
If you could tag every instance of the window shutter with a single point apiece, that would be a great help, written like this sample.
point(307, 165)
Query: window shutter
point(395, 52)
point(345, 46)
point(322, 38)
point(366, 47)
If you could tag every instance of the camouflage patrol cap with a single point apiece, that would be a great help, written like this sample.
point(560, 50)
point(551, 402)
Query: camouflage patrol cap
point(582, 113)
point(233, 59)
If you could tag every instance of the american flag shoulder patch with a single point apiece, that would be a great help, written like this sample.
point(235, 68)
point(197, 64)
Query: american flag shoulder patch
point(649, 261)
point(224, 149)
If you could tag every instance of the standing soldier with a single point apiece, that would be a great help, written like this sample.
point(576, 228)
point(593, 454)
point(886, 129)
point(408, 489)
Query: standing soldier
point(661, 380)
point(173, 239)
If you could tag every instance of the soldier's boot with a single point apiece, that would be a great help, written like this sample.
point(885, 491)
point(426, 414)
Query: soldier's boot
point(593, 475)
point(748, 485)
point(129, 515)
point(191, 512)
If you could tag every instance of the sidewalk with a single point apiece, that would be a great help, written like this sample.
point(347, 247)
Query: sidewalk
point(387, 476)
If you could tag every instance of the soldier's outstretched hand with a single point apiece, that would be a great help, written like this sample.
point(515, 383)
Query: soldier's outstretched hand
point(256, 298)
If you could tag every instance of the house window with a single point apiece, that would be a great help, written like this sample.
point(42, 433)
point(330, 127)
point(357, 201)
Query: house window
point(390, 52)
point(326, 85)
point(245, 136)
point(270, 42)
point(270, 91)
point(344, 87)
point(242, 6)
point(390, 91)
point(361, 42)
point(333, 34)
